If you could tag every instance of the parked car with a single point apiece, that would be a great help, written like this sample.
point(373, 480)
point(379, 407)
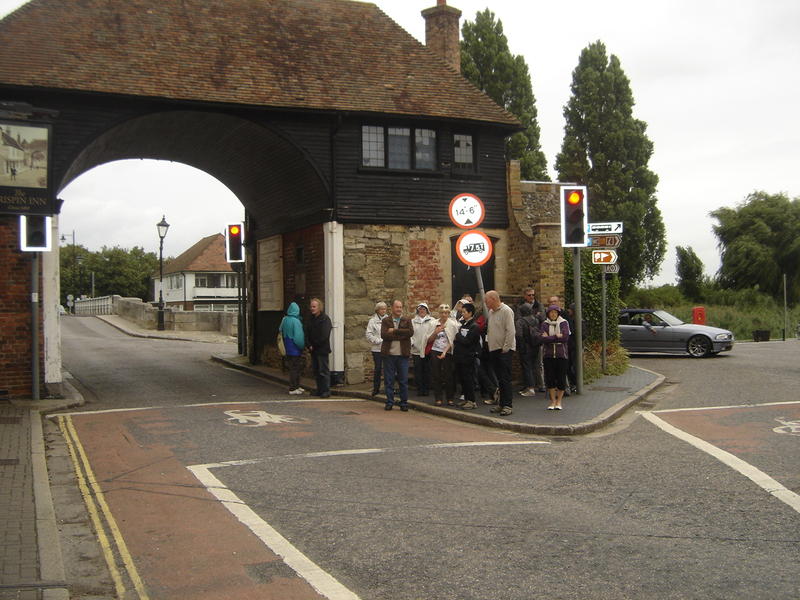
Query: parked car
point(648, 330)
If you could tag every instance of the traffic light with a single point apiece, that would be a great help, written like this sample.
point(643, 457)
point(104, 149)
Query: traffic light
point(34, 233)
point(234, 242)
point(574, 216)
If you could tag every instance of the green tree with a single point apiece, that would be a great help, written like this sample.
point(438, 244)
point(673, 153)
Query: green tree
point(607, 149)
point(115, 270)
point(487, 62)
point(759, 242)
point(689, 269)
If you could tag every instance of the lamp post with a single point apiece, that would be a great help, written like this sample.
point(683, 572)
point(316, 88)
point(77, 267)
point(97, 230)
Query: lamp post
point(74, 258)
point(162, 228)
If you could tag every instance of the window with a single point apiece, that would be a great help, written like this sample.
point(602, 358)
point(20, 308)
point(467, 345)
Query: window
point(201, 281)
point(372, 146)
point(401, 148)
point(463, 152)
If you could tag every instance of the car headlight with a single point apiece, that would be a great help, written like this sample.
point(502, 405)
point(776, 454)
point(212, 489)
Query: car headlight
point(724, 336)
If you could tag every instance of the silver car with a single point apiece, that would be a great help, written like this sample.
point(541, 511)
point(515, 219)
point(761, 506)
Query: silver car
point(646, 330)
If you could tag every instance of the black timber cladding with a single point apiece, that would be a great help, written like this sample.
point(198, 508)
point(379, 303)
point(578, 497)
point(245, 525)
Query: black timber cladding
point(418, 197)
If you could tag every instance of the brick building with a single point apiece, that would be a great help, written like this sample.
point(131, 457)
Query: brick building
point(344, 138)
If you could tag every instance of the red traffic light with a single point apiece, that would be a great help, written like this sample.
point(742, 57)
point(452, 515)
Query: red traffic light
point(234, 243)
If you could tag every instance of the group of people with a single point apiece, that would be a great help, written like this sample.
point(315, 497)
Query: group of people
point(452, 348)
point(460, 348)
point(316, 337)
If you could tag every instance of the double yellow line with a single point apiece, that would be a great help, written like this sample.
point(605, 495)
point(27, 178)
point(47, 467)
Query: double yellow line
point(101, 515)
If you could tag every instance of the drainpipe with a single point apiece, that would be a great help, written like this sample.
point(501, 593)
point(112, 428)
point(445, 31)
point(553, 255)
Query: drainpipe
point(334, 296)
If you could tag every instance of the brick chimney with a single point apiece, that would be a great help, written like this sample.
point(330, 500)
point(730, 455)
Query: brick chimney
point(442, 32)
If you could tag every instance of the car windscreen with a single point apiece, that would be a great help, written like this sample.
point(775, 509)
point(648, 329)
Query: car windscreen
point(667, 318)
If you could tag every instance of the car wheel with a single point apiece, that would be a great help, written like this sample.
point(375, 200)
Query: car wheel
point(699, 346)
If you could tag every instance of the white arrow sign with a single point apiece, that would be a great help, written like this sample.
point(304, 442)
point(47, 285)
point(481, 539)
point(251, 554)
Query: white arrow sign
point(604, 257)
point(615, 227)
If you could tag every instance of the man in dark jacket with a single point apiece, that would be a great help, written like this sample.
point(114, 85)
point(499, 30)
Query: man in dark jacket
point(318, 341)
point(396, 332)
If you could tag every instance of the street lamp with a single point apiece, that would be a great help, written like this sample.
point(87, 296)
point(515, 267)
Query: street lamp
point(162, 228)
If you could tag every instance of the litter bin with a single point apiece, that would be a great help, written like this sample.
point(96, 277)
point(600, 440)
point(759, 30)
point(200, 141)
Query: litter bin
point(761, 335)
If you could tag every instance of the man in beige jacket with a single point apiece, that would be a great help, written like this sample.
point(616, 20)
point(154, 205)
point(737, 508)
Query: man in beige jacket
point(502, 341)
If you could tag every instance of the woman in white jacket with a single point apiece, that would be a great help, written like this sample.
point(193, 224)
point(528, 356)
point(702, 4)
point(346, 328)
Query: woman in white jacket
point(374, 338)
point(423, 326)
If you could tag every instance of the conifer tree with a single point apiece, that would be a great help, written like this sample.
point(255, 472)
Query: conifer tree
point(607, 149)
point(488, 63)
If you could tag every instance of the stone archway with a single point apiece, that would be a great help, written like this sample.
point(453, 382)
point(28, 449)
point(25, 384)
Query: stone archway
point(276, 180)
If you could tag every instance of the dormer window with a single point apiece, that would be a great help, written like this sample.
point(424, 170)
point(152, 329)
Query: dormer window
point(398, 148)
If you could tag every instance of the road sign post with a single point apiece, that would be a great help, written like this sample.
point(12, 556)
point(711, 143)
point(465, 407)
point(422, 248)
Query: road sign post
point(473, 247)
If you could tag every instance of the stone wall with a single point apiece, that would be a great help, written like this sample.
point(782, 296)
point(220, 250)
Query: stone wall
point(388, 262)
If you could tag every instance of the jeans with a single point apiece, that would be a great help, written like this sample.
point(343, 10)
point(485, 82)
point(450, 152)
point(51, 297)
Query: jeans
point(538, 367)
point(377, 363)
point(395, 368)
point(422, 374)
point(501, 365)
point(526, 361)
point(322, 373)
point(486, 377)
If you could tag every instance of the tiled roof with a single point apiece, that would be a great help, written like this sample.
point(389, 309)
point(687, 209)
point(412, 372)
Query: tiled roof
point(311, 54)
point(207, 255)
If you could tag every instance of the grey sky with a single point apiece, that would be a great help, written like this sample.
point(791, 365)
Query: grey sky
point(715, 81)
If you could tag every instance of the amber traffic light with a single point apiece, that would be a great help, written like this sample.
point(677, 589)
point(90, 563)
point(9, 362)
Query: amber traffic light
point(234, 243)
point(574, 216)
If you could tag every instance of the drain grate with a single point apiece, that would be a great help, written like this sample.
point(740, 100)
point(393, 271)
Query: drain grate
point(10, 420)
point(8, 462)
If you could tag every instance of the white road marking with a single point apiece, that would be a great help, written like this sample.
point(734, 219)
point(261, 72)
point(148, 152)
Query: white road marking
point(700, 408)
point(324, 583)
point(752, 473)
point(355, 451)
point(200, 404)
point(321, 581)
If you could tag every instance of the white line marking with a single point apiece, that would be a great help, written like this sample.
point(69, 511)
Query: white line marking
point(200, 404)
point(700, 408)
point(752, 473)
point(356, 451)
point(321, 581)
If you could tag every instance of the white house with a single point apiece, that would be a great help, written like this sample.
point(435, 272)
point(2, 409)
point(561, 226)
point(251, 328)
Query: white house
point(200, 279)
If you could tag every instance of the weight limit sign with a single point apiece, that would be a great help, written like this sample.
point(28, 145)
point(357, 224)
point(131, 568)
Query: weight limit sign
point(474, 248)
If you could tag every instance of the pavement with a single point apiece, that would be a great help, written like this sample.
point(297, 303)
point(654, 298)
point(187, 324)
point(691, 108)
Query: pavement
point(31, 566)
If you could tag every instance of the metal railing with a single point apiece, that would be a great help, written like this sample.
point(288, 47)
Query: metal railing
point(103, 305)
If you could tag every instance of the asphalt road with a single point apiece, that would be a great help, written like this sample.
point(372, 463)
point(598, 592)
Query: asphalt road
point(398, 506)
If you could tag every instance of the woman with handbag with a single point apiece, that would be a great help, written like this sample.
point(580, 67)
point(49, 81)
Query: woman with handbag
point(291, 331)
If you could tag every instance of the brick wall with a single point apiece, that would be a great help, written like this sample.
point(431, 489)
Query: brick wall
point(15, 313)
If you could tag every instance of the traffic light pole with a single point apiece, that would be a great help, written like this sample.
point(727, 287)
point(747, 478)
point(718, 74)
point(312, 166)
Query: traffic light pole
point(576, 278)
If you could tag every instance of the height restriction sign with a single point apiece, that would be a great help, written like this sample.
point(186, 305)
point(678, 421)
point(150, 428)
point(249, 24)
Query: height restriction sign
point(474, 248)
point(466, 211)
